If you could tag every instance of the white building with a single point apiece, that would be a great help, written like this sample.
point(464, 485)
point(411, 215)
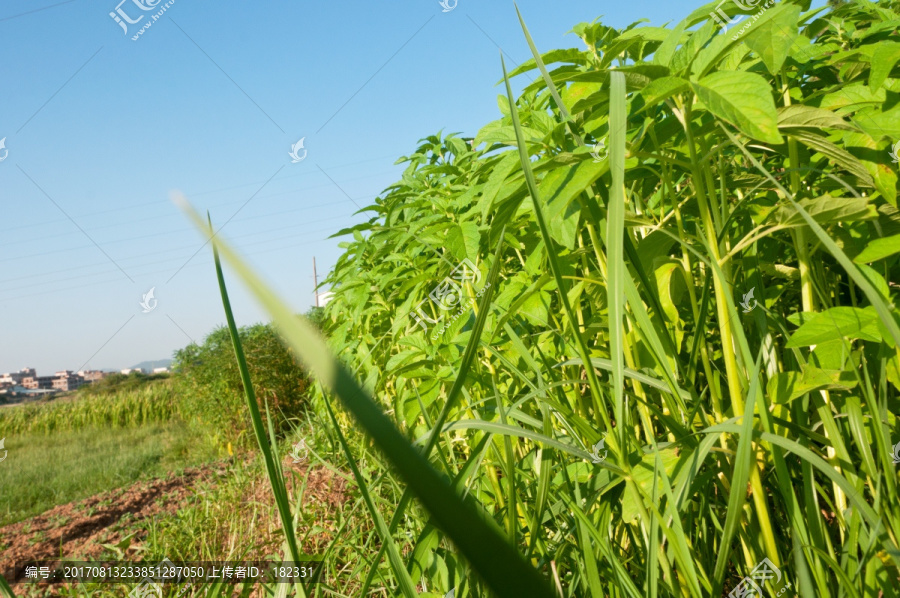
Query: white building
point(325, 297)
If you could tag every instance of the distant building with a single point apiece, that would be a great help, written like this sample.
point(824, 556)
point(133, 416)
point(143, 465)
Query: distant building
point(160, 370)
point(18, 377)
point(93, 375)
point(38, 382)
point(68, 382)
point(134, 370)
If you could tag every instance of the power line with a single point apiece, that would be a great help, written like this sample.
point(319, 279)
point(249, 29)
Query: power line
point(167, 270)
point(182, 248)
point(216, 206)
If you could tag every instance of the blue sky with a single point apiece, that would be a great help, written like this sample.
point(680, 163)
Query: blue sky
point(208, 100)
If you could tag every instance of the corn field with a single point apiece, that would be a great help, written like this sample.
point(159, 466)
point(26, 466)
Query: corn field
point(150, 404)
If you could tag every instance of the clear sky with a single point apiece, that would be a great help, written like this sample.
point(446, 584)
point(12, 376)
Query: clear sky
point(100, 128)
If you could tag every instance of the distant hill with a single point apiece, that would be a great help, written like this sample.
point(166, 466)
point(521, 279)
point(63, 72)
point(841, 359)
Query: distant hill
point(149, 365)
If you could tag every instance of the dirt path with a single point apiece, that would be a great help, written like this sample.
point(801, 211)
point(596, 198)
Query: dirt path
point(76, 530)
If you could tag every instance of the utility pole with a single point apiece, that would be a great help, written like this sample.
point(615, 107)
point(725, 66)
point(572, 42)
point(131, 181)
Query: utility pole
point(315, 282)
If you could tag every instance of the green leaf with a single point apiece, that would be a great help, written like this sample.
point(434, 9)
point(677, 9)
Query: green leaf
point(561, 186)
point(615, 245)
point(854, 96)
point(884, 58)
point(661, 89)
point(742, 99)
point(876, 280)
point(836, 154)
point(825, 210)
point(773, 38)
point(803, 116)
point(464, 240)
point(740, 475)
point(879, 249)
point(837, 323)
point(643, 475)
point(5, 590)
point(787, 386)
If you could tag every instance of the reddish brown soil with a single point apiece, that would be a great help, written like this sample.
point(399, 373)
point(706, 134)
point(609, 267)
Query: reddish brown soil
point(76, 530)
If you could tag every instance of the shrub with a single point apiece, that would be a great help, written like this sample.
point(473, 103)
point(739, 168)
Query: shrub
point(210, 384)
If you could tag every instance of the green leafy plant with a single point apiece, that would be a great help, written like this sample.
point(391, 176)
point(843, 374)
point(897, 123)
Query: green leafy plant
point(711, 291)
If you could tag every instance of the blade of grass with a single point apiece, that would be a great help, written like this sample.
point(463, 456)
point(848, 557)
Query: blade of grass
point(615, 234)
point(5, 590)
point(405, 581)
point(498, 564)
point(739, 477)
point(561, 285)
point(273, 467)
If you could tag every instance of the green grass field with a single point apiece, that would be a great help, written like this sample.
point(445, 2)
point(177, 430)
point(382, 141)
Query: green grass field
point(43, 471)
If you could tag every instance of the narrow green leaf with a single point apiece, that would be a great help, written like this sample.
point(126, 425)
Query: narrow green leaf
point(502, 568)
point(562, 287)
point(273, 465)
point(407, 586)
point(615, 246)
point(803, 116)
point(5, 590)
point(739, 478)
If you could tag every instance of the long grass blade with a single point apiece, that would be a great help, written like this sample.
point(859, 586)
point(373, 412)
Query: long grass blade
point(273, 466)
point(501, 567)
